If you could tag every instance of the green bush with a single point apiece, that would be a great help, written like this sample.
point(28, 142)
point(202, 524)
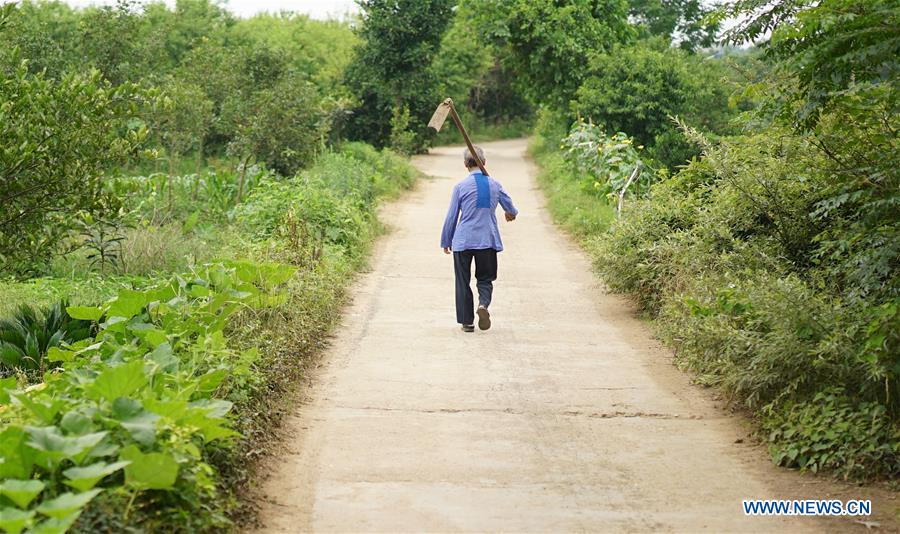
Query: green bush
point(59, 138)
point(130, 411)
point(727, 256)
point(328, 214)
point(834, 432)
point(393, 173)
point(770, 266)
point(577, 210)
point(159, 199)
point(392, 74)
point(637, 89)
point(605, 162)
point(283, 127)
point(334, 199)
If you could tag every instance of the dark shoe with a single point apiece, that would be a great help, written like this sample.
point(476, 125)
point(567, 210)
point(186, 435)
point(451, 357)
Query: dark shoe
point(468, 328)
point(484, 318)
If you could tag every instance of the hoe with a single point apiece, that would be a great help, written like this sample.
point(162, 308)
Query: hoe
point(437, 121)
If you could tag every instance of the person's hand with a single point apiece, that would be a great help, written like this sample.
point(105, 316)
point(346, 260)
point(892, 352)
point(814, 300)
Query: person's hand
point(446, 250)
point(509, 216)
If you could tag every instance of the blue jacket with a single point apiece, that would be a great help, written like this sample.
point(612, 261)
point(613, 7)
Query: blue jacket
point(471, 223)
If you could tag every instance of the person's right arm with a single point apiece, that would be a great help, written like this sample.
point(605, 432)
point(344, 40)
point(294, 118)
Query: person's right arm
point(450, 221)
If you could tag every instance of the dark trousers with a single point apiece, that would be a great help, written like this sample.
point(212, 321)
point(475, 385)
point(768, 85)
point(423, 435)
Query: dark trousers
point(485, 274)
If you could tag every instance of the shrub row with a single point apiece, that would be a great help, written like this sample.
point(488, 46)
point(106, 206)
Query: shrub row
point(723, 256)
point(154, 420)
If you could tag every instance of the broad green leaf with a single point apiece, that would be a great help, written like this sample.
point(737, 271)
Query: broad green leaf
point(13, 520)
point(199, 291)
point(76, 423)
point(215, 408)
point(210, 381)
point(274, 274)
point(173, 409)
point(155, 470)
point(86, 347)
point(115, 324)
point(246, 271)
point(123, 408)
point(67, 504)
point(56, 354)
point(149, 333)
point(103, 449)
point(140, 423)
point(163, 357)
point(7, 383)
point(208, 420)
point(85, 478)
point(54, 447)
point(17, 455)
point(128, 304)
point(45, 411)
point(120, 381)
point(21, 492)
point(56, 526)
point(85, 313)
point(155, 338)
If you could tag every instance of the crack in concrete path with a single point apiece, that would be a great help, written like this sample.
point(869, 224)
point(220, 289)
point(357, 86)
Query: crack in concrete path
point(525, 413)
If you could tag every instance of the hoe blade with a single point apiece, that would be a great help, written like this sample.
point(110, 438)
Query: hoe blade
point(440, 115)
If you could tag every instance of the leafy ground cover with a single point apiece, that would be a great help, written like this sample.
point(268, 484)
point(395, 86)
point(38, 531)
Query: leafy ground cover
point(150, 414)
point(751, 262)
point(765, 244)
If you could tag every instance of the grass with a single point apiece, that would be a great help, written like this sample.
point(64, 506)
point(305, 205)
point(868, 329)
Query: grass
point(85, 289)
point(580, 213)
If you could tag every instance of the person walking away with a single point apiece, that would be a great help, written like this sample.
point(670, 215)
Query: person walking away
point(470, 232)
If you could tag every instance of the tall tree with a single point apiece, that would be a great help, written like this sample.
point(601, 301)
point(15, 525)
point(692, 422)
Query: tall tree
point(59, 136)
point(392, 69)
point(830, 47)
point(474, 75)
point(551, 42)
point(686, 23)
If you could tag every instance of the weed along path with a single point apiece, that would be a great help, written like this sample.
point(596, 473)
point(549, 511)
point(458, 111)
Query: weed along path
point(565, 416)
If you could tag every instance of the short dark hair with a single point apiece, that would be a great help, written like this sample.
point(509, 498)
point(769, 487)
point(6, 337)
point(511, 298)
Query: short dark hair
point(470, 160)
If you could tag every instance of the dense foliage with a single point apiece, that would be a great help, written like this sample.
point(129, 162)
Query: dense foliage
point(772, 262)
point(392, 72)
point(472, 71)
point(116, 412)
point(178, 179)
point(136, 404)
point(638, 89)
point(687, 23)
point(549, 43)
point(83, 91)
point(614, 63)
point(605, 164)
point(59, 136)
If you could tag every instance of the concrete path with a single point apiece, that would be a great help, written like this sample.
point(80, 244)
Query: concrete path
point(565, 416)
